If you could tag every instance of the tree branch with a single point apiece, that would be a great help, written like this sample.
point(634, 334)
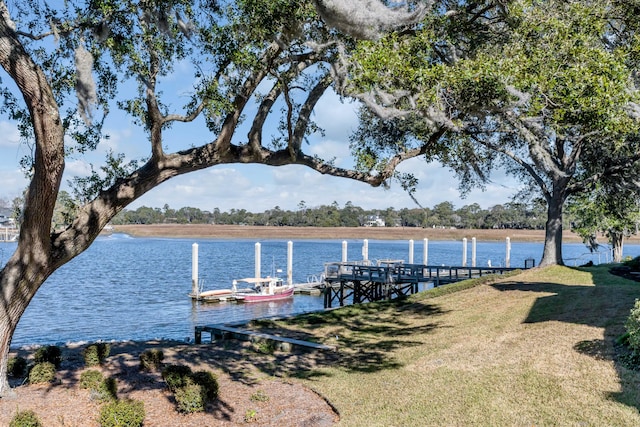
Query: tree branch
point(295, 142)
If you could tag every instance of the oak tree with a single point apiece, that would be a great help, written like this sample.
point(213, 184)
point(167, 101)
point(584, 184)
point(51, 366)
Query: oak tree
point(67, 63)
point(536, 88)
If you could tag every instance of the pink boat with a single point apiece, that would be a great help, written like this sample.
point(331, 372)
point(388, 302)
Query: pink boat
point(264, 289)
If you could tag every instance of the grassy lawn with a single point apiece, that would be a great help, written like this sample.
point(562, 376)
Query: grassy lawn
point(534, 349)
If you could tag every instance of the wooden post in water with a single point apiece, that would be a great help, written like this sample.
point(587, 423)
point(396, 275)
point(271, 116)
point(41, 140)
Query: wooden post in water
point(411, 251)
point(365, 250)
point(507, 261)
point(344, 251)
point(473, 252)
point(257, 260)
point(195, 289)
point(464, 252)
point(290, 263)
point(425, 252)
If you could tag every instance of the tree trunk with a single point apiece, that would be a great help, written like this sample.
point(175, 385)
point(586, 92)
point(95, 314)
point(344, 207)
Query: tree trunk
point(617, 243)
point(19, 282)
point(32, 261)
point(552, 253)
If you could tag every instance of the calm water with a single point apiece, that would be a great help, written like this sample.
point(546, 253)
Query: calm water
point(131, 288)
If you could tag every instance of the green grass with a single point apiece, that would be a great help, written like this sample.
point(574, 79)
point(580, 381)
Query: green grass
point(536, 348)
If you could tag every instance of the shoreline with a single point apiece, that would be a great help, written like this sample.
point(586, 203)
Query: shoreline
point(335, 233)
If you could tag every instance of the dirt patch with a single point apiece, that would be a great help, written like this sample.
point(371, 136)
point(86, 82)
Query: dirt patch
point(242, 373)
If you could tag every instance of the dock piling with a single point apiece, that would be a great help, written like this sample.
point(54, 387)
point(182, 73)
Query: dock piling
point(257, 260)
point(290, 263)
point(473, 252)
point(425, 252)
point(365, 250)
point(194, 269)
point(464, 252)
point(344, 251)
point(411, 251)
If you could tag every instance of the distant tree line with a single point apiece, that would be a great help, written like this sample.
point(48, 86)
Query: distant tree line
point(512, 215)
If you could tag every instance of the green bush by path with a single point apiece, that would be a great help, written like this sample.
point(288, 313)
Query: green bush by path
point(151, 360)
point(122, 413)
point(17, 366)
point(192, 390)
point(25, 419)
point(102, 389)
point(44, 372)
point(95, 354)
point(176, 376)
point(633, 328)
point(48, 353)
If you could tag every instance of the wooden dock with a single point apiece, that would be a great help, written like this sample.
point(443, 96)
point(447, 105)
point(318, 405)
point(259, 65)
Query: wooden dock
point(360, 282)
point(8, 234)
point(281, 343)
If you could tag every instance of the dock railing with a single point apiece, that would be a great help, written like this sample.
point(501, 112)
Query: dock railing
point(397, 272)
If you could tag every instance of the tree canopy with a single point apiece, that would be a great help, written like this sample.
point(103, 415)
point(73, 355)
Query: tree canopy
point(543, 89)
point(252, 62)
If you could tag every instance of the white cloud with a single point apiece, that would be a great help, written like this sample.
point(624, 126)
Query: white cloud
point(336, 117)
point(13, 183)
point(10, 135)
point(77, 168)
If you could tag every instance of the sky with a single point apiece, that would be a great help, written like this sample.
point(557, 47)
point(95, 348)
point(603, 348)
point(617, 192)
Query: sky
point(257, 188)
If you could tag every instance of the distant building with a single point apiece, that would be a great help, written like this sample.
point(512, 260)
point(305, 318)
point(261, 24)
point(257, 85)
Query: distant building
point(5, 218)
point(375, 221)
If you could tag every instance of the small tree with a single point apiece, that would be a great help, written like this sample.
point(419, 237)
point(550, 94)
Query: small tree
point(614, 213)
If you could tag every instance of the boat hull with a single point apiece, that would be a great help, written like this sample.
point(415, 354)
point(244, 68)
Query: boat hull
point(259, 297)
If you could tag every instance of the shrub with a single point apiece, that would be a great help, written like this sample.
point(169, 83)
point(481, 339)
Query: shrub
point(264, 347)
point(17, 366)
point(633, 264)
point(91, 379)
point(122, 413)
point(48, 353)
point(102, 388)
point(192, 390)
point(108, 390)
point(208, 382)
point(44, 372)
point(250, 416)
point(25, 419)
point(95, 354)
point(189, 398)
point(260, 396)
point(176, 376)
point(633, 327)
point(151, 360)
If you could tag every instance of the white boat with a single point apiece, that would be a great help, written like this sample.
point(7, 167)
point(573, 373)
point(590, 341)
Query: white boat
point(262, 289)
point(214, 295)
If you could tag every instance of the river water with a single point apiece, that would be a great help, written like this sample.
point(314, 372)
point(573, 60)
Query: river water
point(125, 288)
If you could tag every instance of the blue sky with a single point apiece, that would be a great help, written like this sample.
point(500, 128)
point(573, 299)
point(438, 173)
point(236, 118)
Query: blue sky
point(256, 187)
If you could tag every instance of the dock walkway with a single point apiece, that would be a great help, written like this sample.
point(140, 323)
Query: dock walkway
point(282, 343)
point(390, 279)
